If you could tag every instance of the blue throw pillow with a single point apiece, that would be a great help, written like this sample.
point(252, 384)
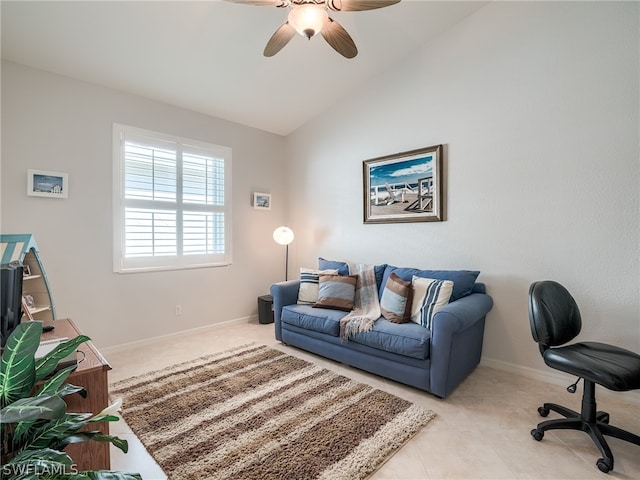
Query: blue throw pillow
point(463, 280)
point(342, 267)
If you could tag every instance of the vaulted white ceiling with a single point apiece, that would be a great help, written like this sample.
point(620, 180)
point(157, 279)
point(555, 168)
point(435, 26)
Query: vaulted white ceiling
point(206, 56)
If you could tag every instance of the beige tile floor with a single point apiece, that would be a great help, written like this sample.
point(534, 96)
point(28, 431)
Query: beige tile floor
point(480, 432)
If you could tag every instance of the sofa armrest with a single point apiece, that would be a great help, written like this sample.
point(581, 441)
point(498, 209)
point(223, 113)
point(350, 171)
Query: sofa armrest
point(456, 341)
point(463, 313)
point(283, 293)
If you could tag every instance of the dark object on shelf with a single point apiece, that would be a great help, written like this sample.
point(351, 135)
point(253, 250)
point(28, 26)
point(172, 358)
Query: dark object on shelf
point(265, 309)
point(11, 299)
point(555, 319)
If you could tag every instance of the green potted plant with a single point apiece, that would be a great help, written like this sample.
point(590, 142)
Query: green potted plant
point(36, 426)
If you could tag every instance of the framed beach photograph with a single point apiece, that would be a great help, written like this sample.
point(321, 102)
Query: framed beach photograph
point(262, 201)
point(405, 187)
point(47, 184)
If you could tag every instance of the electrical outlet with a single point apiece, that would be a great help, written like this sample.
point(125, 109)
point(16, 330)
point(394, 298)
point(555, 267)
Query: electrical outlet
point(178, 310)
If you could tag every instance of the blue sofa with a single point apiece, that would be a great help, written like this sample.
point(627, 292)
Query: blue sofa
point(435, 360)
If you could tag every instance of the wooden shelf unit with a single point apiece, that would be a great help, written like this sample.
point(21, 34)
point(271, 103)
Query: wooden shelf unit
point(23, 248)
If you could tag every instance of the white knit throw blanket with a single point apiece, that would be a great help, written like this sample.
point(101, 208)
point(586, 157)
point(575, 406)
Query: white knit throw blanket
point(366, 305)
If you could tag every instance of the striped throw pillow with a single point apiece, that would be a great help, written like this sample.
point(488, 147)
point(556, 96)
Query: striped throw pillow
point(337, 292)
point(309, 278)
point(395, 304)
point(429, 296)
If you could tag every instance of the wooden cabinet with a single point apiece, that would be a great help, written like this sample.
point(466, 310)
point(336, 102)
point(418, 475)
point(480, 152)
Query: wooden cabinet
point(92, 375)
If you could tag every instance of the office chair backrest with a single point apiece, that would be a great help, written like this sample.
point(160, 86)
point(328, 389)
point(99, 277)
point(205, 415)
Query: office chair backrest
point(554, 316)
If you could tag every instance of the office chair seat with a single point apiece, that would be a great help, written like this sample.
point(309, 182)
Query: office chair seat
point(555, 319)
point(612, 367)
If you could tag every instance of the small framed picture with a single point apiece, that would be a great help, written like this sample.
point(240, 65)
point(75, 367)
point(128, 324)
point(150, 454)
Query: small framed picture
point(262, 201)
point(47, 184)
point(28, 301)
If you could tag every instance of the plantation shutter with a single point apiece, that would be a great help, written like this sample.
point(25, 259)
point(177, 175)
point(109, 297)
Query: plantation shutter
point(173, 202)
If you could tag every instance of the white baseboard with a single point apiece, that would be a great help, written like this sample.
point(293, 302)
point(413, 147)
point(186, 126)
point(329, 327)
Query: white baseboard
point(556, 378)
point(181, 333)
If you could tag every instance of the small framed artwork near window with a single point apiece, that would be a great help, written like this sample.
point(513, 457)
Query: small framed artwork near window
point(47, 184)
point(262, 201)
point(404, 187)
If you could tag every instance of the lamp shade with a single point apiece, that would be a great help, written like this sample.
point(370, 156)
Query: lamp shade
point(308, 19)
point(283, 235)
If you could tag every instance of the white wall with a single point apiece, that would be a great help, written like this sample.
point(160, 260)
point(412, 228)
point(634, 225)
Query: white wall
point(537, 105)
point(55, 123)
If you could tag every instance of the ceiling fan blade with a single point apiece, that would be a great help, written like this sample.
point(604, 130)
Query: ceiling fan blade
point(263, 3)
point(279, 39)
point(358, 5)
point(339, 39)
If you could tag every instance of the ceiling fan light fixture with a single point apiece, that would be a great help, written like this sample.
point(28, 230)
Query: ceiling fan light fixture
point(308, 19)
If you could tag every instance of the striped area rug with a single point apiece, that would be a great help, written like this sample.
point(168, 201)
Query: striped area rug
point(257, 413)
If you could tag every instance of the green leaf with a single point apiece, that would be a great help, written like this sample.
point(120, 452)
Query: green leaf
point(108, 475)
point(48, 363)
point(63, 390)
point(17, 372)
point(96, 436)
point(51, 433)
point(53, 384)
point(104, 418)
point(33, 408)
point(68, 389)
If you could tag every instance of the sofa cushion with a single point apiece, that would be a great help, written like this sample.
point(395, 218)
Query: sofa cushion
point(408, 339)
point(463, 280)
point(395, 303)
point(429, 296)
point(343, 269)
point(337, 292)
point(309, 279)
point(321, 320)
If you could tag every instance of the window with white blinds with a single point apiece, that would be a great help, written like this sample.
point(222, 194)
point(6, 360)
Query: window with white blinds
point(171, 202)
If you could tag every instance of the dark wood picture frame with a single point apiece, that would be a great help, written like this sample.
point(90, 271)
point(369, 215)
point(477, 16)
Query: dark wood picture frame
point(404, 187)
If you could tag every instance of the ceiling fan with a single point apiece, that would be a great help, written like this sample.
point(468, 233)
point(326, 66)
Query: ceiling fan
point(310, 17)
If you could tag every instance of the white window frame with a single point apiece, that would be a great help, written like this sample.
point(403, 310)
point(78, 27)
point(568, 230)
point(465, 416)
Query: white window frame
point(122, 264)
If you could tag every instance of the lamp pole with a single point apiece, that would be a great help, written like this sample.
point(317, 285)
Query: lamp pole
point(286, 263)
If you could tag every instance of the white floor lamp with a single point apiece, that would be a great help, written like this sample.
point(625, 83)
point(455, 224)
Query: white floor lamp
point(284, 236)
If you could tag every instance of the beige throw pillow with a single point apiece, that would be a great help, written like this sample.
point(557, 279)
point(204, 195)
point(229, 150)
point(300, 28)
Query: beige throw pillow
point(309, 278)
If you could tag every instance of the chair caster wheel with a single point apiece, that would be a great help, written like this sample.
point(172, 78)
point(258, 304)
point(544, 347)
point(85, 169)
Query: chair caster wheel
point(602, 417)
point(537, 434)
point(543, 411)
point(604, 465)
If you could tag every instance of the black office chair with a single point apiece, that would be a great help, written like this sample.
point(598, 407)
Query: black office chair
point(555, 320)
